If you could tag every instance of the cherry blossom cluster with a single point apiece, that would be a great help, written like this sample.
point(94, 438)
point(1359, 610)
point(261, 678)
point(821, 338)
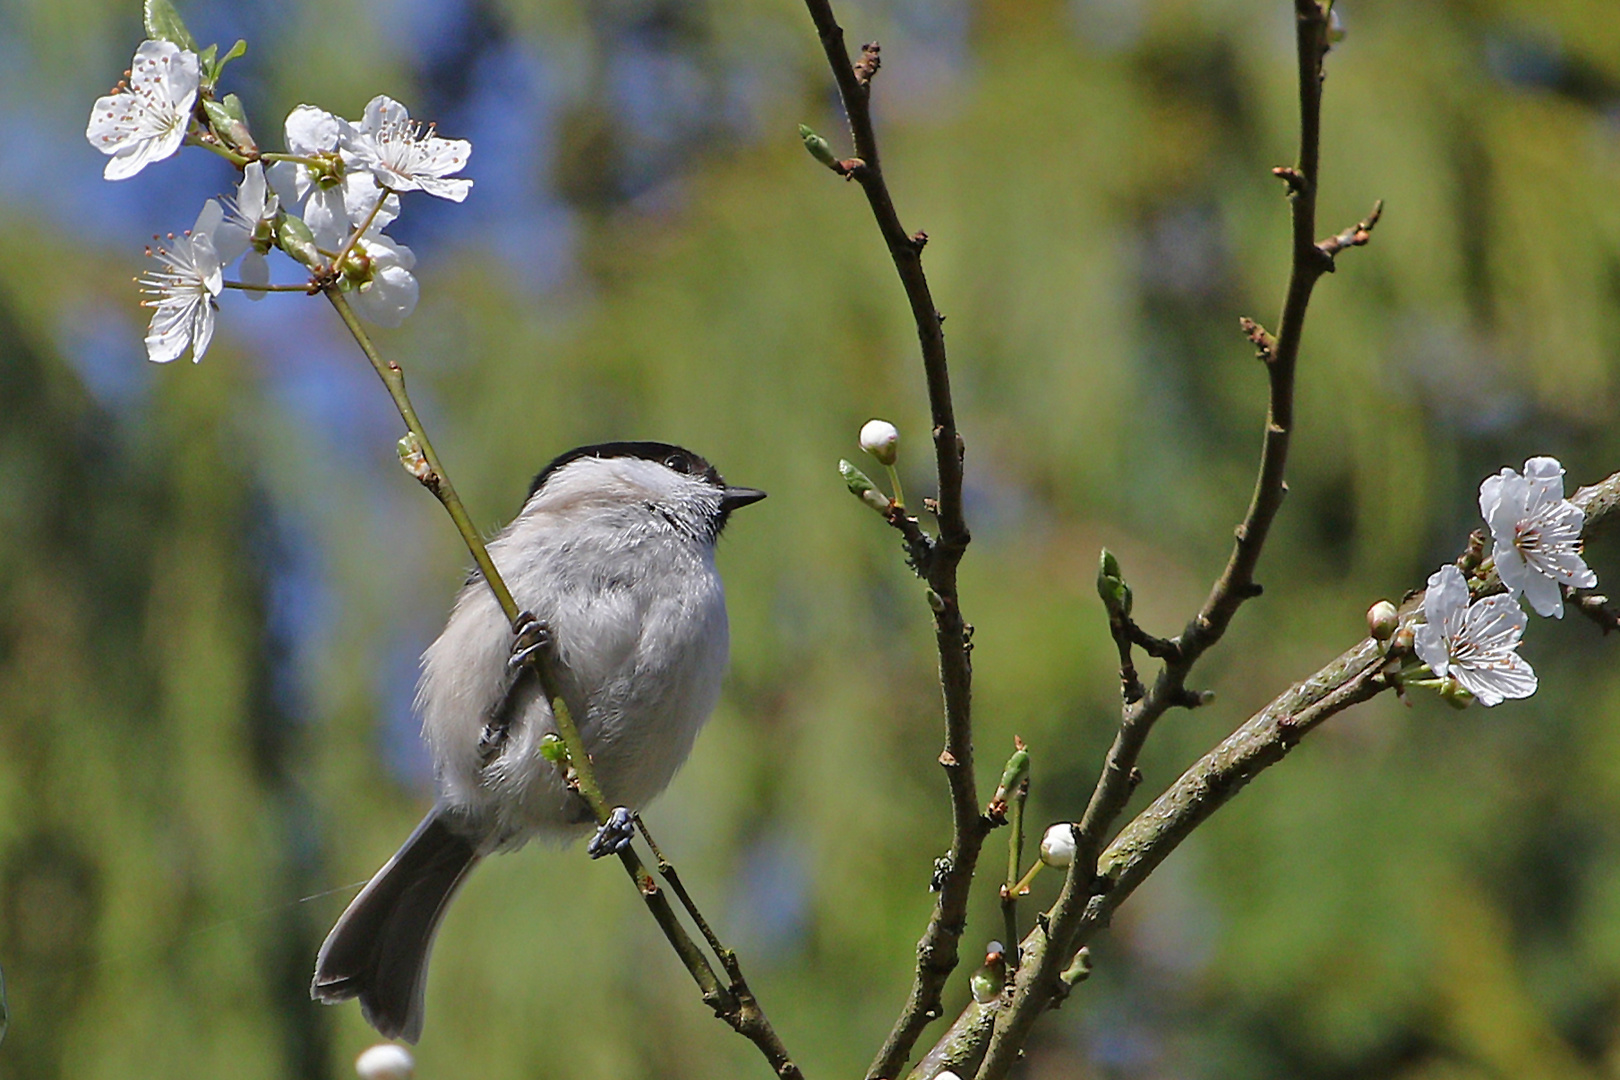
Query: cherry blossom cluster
point(1471, 646)
point(325, 201)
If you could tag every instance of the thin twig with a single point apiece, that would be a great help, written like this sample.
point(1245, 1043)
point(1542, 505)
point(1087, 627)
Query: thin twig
point(937, 951)
point(1355, 676)
point(1039, 980)
point(740, 1010)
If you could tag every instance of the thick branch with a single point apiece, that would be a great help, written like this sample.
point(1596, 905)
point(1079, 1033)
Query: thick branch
point(937, 951)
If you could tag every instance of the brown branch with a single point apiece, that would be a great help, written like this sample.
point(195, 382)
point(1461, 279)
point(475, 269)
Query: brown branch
point(1039, 978)
point(1354, 676)
point(1355, 236)
point(937, 950)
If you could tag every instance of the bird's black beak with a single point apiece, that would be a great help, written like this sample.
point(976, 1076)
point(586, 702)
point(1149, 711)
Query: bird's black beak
point(739, 496)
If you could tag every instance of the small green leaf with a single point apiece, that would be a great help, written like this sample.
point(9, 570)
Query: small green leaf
point(1111, 586)
point(239, 49)
point(553, 749)
point(205, 62)
point(164, 23)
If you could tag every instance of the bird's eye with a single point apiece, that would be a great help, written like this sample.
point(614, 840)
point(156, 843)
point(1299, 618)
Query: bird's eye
point(679, 462)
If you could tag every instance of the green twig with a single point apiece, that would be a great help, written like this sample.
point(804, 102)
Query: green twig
point(735, 1005)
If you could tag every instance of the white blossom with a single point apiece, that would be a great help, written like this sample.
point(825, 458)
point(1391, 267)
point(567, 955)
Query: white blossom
point(182, 293)
point(386, 291)
point(385, 1061)
point(1473, 644)
point(146, 120)
point(245, 228)
point(1057, 846)
point(1537, 533)
point(339, 197)
point(881, 439)
point(403, 155)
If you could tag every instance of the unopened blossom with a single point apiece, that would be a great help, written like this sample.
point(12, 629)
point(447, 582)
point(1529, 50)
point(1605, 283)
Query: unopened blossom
point(338, 197)
point(881, 439)
point(404, 155)
point(1474, 645)
point(385, 1061)
point(249, 218)
point(182, 293)
point(1057, 846)
point(379, 281)
point(145, 120)
point(1537, 533)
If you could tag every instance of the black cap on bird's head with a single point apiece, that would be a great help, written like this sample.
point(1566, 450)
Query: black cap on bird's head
point(675, 458)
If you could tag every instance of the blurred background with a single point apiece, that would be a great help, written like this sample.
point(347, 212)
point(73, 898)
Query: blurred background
point(215, 579)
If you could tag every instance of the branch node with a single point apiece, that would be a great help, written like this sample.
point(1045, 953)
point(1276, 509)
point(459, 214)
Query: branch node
point(1265, 345)
point(1355, 236)
point(1292, 177)
point(867, 66)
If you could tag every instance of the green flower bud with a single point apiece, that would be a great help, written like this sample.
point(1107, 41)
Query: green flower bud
point(294, 237)
point(231, 128)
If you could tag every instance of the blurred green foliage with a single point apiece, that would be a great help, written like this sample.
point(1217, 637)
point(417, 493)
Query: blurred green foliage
point(1416, 893)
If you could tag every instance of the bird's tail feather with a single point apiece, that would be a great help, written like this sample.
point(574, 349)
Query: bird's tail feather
point(378, 951)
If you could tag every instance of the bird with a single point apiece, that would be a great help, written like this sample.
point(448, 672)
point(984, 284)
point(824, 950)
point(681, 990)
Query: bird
point(612, 559)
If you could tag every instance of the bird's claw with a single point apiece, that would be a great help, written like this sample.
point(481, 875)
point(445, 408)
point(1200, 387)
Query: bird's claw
point(532, 637)
point(614, 835)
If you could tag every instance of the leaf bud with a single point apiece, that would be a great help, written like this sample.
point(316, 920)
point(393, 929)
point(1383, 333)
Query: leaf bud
point(818, 146)
point(1111, 586)
point(553, 749)
point(860, 485)
point(881, 439)
point(412, 457)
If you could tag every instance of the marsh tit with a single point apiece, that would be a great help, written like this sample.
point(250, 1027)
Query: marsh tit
point(613, 554)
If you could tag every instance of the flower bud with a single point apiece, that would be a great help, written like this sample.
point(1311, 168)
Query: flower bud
point(1403, 640)
point(1057, 846)
point(1382, 621)
point(946, 1075)
point(385, 1061)
point(881, 439)
point(230, 125)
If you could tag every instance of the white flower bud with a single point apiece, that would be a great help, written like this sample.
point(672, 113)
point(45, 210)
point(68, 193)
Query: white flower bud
point(1382, 621)
point(881, 439)
point(1057, 846)
point(385, 1061)
point(946, 1075)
